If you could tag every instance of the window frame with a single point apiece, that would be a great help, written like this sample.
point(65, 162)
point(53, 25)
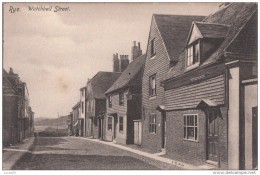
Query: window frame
point(109, 123)
point(121, 125)
point(152, 48)
point(152, 123)
point(110, 101)
point(193, 54)
point(152, 92)
point(121, 98)
point(82, 107)
point(188, 124)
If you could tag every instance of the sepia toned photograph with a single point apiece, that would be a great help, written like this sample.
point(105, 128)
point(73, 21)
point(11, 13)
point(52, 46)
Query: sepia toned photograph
point(130, 86)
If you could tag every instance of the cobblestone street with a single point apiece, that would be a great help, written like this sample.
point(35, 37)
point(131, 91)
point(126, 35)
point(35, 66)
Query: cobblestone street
point(71, 153)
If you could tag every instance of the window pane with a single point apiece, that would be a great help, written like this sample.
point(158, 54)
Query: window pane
point(190, 132)
point(185, 121)
point(196, 133)
point(185, 136)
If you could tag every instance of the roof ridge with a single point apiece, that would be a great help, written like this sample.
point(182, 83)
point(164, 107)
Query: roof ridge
point(155, 14)
point(201, 22)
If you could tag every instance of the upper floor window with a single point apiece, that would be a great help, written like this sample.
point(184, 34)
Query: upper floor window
point(82, 92)
point(110, 101)
point(152, 47)
point(121, 99)
point(152, 85)
point(193, 54)
point(82, 107)
point(121, 123)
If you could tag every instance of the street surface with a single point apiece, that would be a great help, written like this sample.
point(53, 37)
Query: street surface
point(72, 153)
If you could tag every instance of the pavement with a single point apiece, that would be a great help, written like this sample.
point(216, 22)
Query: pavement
point(12, 154)
point(155, 156)
point(46, 149)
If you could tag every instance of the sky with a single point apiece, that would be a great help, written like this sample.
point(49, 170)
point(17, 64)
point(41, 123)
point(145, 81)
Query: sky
point(56, 52)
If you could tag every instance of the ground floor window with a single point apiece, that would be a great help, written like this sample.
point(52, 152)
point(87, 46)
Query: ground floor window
point(121, 123)
point(191, 127)
point(109, 123)
point(152, 123)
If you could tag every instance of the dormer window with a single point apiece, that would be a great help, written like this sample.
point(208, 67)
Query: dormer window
point(193, 54)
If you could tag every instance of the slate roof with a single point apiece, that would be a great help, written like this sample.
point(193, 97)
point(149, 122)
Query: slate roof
point(174, 30)
point(236, 15)
point(101, 82)
point(125, 80)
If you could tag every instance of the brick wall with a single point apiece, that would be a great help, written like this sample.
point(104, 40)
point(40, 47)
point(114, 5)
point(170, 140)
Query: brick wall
point(194, 152)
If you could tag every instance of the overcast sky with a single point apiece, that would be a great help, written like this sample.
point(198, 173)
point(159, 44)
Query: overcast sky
point(56, 52)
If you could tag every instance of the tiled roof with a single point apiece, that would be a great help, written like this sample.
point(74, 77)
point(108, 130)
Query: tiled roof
point(76, 105)
point(129, 74)
point(212, 30)
point(235, 15)
point(174, 30)
point(101, 82)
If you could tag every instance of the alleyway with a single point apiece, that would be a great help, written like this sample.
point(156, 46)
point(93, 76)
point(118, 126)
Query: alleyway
point(71, 153)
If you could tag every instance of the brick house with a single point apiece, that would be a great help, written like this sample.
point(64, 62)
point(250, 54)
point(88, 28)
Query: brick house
point(15, 109)
point(96, 102)
point(211, 91)
point(124, 103)
point(167, 37)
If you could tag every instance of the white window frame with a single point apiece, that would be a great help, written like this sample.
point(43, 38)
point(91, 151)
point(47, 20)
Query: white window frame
point(121, 124)
point(189, 124)
point(152, 85)
point(121, 100)
point(109, 129)
point(191, 53)
point(152, 130)
point(110, 101)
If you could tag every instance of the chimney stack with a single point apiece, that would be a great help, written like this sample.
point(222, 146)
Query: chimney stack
point(115, 63)
point(136, 51)
point(123, 63)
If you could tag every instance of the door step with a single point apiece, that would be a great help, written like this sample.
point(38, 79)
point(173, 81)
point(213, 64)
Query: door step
point(163, 152)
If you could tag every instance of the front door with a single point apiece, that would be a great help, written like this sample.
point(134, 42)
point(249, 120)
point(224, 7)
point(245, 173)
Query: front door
point(255, 137)
point(212, 135)
point(163, 130)
point(115, 127)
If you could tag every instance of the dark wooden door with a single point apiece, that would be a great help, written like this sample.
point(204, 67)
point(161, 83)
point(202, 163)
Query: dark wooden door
point(163, 130)
point(115, 127)
point(212, 140)
point(254, 136)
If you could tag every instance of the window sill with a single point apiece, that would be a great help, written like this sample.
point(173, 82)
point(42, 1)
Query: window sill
point(189, 140)
point(121, 132)
point(152, 133)
point(153, 56)
point(152, 97)
point(192, 66)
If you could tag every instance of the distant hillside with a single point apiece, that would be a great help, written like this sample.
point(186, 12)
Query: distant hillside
point(50, 121)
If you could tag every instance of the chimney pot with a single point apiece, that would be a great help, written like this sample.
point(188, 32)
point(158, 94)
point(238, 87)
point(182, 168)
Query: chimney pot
point(139, 46)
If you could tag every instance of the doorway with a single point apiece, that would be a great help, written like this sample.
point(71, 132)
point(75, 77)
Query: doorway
point(163, 129)
point(212, 135)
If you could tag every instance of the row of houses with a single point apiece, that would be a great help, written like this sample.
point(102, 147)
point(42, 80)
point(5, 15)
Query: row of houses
point(191, 96)
point(18, 117)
